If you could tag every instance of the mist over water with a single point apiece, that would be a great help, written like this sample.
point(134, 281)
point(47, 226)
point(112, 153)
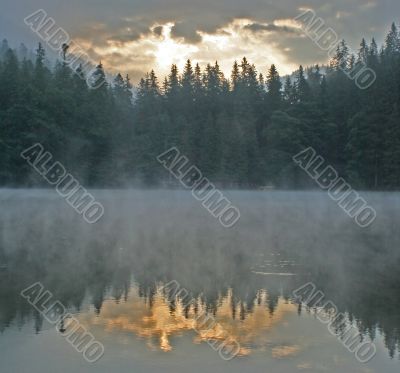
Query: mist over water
point(109, 274)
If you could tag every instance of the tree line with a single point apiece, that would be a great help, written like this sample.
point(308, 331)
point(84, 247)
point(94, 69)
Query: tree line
point(241, 131)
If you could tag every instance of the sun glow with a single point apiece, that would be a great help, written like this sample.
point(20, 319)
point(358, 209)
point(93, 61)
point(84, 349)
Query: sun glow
point(170, 51)
point(159, 50)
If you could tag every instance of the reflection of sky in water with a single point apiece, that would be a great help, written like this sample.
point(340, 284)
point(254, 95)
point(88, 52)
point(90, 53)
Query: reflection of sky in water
point(143, 335)
point(158, 324)
point(282, 241)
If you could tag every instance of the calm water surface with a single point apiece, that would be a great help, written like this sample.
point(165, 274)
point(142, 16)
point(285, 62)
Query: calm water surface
point(111, 275)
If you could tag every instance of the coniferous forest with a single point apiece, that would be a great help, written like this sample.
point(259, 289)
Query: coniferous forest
point(240, 130)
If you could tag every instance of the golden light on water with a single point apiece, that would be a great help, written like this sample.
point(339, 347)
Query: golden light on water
point(157, 324)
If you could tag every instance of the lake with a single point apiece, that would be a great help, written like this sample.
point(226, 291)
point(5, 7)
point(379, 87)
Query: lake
point(145, 277)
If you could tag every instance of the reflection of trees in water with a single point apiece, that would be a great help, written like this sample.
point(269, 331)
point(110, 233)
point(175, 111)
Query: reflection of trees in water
point(80, 263)
point(372, 307)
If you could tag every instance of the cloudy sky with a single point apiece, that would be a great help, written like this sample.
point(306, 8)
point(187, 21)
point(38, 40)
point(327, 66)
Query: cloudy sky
point(137, 35)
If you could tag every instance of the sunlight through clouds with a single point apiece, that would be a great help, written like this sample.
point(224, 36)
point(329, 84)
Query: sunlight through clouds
point(158, 49)
point(169, 51)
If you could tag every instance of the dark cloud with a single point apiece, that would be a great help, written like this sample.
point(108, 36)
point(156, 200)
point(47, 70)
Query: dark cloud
point(186, 31)
point(121, 32)
point(158, 30)
point(259, 27)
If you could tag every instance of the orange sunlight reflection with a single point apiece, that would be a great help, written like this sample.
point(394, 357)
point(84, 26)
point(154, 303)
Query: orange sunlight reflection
point(154, 321)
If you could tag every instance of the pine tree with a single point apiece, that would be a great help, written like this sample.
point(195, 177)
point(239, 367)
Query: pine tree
point(235, 76)
point(198, 84)
point(392, 42)
point(118, 86)
point(274, 86)
point(373, 53)
point(302, 87)
point(41, 72)
point(363, 52)
point(153, 87)
point(340, 60)
point(188, 78)
point(188, 88)
point(314, 78)
point(4, 48)
point(289, 92)
point(9, 80)
point(173, 81)
point(98, 80)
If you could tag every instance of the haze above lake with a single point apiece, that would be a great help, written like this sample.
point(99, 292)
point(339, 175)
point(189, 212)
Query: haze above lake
point(111, 274)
